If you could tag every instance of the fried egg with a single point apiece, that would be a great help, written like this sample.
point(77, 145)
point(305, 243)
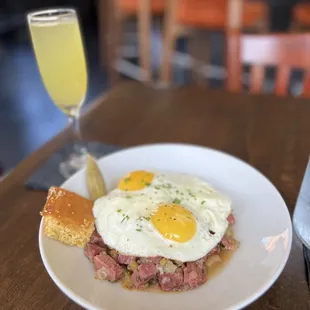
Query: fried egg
point(176, 216)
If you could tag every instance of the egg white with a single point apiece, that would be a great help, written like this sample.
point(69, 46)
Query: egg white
point(122, 218)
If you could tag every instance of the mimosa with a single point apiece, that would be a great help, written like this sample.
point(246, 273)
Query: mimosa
point(59, 51)
point(60, 55)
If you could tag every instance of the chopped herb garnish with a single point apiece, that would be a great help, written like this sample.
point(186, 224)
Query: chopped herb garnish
point(126, 180)
point(128, 196)
point(203, 202)
point(147, 218)
point(125, 218)
point(147, 184)
point(138, 229)
point(177, 200)
point(157, 187)
point(119, 210)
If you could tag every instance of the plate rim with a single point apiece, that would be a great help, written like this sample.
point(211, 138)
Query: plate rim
point(252, 298)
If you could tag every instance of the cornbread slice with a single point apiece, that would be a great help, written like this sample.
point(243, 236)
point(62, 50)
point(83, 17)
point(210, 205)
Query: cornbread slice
point(68, 217)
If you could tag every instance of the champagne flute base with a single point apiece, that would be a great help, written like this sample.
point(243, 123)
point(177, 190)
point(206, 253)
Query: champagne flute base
point(72, 165)
point(71, 158)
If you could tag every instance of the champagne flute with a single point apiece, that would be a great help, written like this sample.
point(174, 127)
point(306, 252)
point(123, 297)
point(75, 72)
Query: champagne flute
point(59, 52)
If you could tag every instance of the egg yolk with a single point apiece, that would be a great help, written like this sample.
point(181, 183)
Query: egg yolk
point(136, 180)
point(174, 222)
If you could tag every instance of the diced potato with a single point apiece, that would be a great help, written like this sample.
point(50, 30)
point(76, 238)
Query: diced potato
point(132, 266)
point(229, 232)
point(113, 254)
point(126, 282)
point(214, 259)
point(170, 267)
point(163, 261)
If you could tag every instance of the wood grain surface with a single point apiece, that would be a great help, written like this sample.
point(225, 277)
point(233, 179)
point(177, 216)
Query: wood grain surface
point(270, 133)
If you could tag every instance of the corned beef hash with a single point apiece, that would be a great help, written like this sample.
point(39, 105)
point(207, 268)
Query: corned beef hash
point(155, 228)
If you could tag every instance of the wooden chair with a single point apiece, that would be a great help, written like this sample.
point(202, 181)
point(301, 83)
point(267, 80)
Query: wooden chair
point(112, 15)
point(284, 51)
point(301, 15)
point(206, 14)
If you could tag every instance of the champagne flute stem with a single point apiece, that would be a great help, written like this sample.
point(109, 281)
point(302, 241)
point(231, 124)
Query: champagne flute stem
point(78, 145)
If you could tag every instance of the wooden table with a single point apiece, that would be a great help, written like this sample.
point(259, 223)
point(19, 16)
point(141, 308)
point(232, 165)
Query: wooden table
point(270, 133)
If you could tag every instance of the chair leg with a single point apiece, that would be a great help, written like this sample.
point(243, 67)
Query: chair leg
point(233, 64)
point(102, 31)
point(199, 50)
point(112, 43)
point(169, 39)
point(120, 21)
point(144, 32)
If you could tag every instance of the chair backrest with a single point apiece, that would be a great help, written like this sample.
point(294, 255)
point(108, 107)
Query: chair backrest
point(112, 16)
point(145, 10)
point(173, 8)
point(283, 51)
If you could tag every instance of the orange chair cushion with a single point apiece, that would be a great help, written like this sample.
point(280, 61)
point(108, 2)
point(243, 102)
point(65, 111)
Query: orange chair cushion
point(212, 14)
point(130, 7)
point(301, 14)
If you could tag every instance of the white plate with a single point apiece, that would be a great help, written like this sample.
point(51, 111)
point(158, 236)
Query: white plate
point(263, 228)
